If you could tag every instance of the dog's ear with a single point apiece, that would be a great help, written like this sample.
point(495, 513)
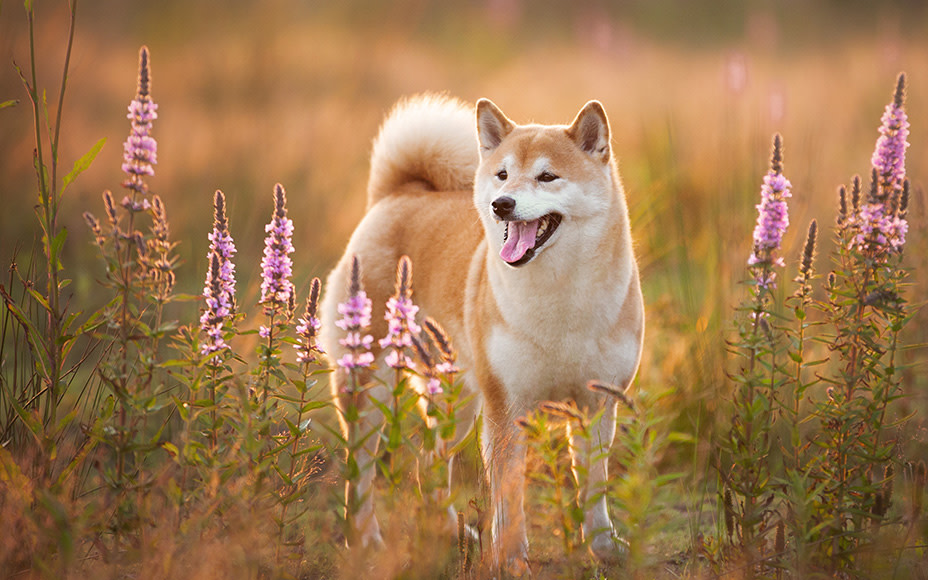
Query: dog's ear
point(590, 131)
point(492, 126)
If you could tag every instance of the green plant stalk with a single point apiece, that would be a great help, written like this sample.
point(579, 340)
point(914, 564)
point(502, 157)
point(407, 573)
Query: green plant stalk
point(884, 399)
point(49, 199)
point(294, 450)
point(267, 360)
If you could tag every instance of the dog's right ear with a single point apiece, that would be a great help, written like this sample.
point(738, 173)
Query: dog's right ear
point(492, 126)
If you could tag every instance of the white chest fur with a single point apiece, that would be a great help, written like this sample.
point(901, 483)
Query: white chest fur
point(558, 332)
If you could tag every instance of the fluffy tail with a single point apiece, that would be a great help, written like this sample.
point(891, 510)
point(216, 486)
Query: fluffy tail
point(428, 138)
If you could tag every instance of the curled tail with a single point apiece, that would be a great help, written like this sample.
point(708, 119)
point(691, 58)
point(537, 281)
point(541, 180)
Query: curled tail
point(427, 138)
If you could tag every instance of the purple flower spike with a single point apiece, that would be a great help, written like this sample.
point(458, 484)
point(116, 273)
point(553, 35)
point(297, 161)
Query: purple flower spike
point(356, 318)
point(221, 244)
point(879, 231)
point(217, 312)
point(889, 156)
point(401, 319)
point(140, 149)
point(772, 220)
point(879, 226)
point(276, 266)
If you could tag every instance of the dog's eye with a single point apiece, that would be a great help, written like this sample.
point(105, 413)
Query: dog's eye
point(546, 177)
point(502, 175)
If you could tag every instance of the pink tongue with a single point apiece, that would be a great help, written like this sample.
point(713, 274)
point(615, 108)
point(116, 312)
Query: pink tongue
point(521, 238)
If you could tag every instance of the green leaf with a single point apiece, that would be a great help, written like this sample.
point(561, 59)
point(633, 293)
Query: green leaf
point(313, 405)
point(294, 430)
point(10, 103)
point(57, 244)
point(83, 163)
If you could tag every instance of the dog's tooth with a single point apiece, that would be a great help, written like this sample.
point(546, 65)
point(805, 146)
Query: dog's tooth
point(542, 227)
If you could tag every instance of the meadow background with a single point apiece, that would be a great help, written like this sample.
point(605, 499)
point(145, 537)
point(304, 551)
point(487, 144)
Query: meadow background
point(252, 94)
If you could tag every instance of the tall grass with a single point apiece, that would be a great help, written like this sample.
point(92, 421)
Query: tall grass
point(134, 444)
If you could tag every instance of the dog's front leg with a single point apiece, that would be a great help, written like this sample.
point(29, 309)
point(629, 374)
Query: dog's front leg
point(504, 456)
point(590, 459)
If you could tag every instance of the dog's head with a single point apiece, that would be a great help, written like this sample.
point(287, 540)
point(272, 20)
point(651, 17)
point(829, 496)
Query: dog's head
point(537, 183)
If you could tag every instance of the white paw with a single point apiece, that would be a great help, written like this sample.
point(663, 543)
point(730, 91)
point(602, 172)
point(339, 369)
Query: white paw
point(608, 547)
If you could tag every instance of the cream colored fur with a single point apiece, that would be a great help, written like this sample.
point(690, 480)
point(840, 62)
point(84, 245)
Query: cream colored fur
point(538, 331)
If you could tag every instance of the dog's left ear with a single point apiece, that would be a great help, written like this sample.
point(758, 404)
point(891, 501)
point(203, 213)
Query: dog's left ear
point(590, 131)
point(492, 126)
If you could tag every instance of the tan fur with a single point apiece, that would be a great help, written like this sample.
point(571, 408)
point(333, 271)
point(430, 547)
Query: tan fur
point(437, 151)
point(525, 334)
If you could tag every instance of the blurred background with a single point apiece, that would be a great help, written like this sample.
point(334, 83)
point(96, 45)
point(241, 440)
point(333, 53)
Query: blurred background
point(289, 91)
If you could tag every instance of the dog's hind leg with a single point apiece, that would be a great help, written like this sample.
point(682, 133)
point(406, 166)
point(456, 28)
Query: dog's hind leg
point(589, 455)
point(360, 421)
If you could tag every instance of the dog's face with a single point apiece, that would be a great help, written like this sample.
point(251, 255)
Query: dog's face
point(539, 187)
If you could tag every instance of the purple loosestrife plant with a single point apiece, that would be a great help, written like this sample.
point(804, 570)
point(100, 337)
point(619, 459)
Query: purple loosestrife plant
point(749, 442)
point(140, 149)
point(276, 266)
point(401, 319)
point(866, 312)
point(889, 155)
point(219, 290)
point(356, 319)
point(772, 221)
point(221, 244)
point(878, 227)
point(276, 289)
point(217, 312)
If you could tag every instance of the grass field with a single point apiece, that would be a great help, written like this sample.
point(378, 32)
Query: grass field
point(289, 92)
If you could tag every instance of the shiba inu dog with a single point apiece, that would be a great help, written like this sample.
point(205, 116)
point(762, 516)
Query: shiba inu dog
point(519, 236)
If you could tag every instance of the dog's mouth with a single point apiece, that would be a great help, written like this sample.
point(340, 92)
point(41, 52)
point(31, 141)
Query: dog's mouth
point(523, 240)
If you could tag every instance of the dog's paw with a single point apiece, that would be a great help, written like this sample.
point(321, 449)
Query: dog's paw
point(609, 548)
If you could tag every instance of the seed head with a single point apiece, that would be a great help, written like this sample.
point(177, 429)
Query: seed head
point(564, 410)
point(842, 205)
point(110, 209)
point(612, 391)
point(443, 343)
point(94, 225)
point(808, 252)
point(308, 327)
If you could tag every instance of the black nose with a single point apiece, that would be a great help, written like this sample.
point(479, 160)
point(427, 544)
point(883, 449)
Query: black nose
point(503, 206)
